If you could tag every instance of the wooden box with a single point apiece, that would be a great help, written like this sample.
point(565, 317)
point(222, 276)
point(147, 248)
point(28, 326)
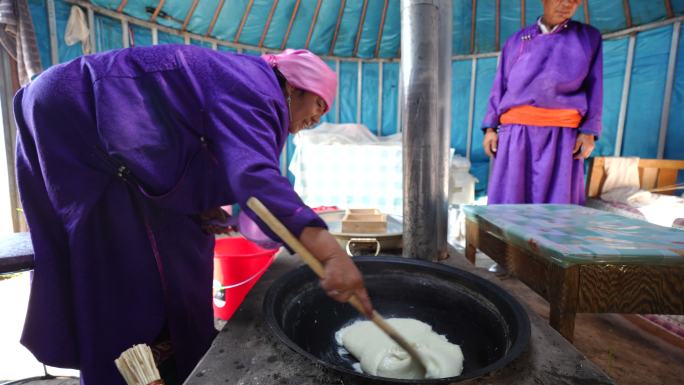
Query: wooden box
point(364, 221)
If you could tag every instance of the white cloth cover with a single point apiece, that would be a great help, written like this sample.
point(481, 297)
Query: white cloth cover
point(621, 172)
point(77, 30)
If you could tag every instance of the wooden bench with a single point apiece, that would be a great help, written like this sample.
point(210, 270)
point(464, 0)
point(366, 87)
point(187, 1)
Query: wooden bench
point(582, 260)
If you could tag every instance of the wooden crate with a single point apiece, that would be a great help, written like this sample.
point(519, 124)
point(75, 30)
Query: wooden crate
point(364, 221)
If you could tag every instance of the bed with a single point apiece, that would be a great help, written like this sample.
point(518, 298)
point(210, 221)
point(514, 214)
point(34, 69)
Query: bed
point(653, 174)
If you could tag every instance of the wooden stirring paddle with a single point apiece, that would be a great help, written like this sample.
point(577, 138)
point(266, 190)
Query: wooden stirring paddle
point(277, 227)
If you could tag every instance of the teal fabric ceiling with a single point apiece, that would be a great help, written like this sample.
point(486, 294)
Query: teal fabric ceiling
point(370, 28)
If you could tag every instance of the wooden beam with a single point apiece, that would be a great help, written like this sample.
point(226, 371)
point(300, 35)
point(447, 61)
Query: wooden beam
point(189, 15)
point(337, 27)
point(668, 8)
point(586, 12)
point(121, 6)
point(522, 14)
point(156, 11)
point(380, 30)
point(472, 26)
point(289, 26)
point(313, 23)
point(628, 12)
point(213, 19)
point(497, 28)
point(597, 176)
point(268, 23)
point(243, 21)
point(359, 31)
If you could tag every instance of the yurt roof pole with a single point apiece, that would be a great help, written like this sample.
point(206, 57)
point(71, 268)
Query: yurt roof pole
point(359, 32)
point(473, 26)
point(313, 24)
point(587, 18)
point(156, 10)
point(197, 37)
point(668, 8)
point(214, 18)
point(188, 16)
point(522, 14)
point(628, 12)
point(289, 26)
point(121, 5)
point(381, 29)
point(331, 51)
point(425, 150)
point(243, 20)
point(643, 27)
point(268, 23)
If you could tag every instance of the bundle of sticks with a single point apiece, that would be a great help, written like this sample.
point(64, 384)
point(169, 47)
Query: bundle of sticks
point(137, 366)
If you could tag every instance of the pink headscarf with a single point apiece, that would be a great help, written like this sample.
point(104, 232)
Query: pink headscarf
point(306, 71)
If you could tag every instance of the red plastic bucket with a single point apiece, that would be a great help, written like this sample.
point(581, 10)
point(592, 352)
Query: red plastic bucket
point(238, 265)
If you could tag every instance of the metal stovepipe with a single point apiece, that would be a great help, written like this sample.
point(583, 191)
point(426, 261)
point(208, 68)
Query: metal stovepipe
point(425, 104)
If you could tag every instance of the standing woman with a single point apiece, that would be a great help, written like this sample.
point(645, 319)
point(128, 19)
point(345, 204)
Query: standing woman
point(120, 156)
point(544, 110)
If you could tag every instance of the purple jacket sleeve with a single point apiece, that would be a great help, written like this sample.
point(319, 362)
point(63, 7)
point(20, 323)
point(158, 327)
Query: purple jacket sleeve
point(491, 119)
point(593, 85)
point(247, 126)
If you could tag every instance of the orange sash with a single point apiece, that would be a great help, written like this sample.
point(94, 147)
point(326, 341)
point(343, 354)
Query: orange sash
point(536, 116)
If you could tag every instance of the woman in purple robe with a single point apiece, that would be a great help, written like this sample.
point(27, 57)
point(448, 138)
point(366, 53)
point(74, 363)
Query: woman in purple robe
point(120, 156)
point(544, 110)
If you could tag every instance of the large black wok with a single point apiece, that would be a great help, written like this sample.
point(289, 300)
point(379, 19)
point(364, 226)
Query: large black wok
point(490, 326)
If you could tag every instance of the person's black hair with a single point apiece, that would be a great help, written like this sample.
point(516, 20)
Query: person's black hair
point(281, 78)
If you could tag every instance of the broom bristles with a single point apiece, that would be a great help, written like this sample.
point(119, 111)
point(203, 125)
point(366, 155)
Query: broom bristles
point(137, 367)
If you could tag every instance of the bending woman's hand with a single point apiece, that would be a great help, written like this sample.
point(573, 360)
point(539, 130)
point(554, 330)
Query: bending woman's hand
point(342, 278)
point(216, 221)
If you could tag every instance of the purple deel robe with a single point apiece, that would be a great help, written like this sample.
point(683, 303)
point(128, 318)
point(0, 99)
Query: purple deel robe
point(117, 153)
point(559, 70)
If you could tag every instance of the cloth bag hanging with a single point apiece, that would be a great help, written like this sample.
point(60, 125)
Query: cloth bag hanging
point(77, 30)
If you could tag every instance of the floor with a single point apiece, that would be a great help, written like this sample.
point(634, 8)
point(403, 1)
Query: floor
point(16, 362)
point(627, 354)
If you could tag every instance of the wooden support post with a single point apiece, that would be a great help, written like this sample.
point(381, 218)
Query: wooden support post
point(472, 234)
point(563, 284)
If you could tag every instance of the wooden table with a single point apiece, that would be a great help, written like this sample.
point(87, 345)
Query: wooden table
point(245, 352)
point(582, 260)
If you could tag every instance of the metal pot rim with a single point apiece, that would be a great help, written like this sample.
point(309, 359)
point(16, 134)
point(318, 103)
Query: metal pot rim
point(518, 346)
